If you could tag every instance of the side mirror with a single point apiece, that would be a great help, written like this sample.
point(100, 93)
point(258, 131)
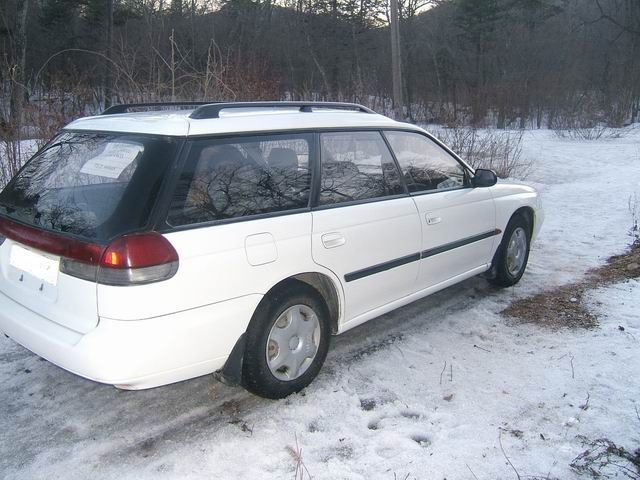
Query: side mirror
point(484, 178)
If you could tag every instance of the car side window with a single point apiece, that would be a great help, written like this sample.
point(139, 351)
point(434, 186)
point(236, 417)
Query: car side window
point(231, 178)
point(425, 165)
point(356, 166)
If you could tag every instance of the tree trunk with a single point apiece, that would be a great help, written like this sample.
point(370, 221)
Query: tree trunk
point(19, 91)
point(108, 77)
point(396, 63)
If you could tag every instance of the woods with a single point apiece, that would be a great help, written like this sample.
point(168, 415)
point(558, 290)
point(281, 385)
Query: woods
point(502, 63)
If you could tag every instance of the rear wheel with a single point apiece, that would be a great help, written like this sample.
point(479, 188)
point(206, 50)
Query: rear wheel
point(287, 342)
point(513, 253)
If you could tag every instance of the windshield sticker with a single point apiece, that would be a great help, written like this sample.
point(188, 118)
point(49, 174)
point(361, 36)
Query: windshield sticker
point(113, 160)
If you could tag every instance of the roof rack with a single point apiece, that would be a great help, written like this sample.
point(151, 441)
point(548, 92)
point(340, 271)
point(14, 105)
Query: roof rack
point(213, 110)
point(125, 107)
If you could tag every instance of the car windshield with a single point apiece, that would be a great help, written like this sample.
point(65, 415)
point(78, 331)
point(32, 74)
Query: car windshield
point(92, 185)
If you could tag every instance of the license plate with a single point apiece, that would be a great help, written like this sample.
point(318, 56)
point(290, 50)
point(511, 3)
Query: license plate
point(40, 266)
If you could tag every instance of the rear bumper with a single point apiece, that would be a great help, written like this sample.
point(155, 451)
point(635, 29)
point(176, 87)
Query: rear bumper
point(135, 354)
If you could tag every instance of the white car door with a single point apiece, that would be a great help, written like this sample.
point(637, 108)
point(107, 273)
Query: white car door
point(458, 221)
point(365, 226)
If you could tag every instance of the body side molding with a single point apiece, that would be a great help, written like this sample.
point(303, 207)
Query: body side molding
point(414, 257)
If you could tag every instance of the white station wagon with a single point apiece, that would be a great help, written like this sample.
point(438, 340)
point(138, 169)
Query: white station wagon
point(141, 249)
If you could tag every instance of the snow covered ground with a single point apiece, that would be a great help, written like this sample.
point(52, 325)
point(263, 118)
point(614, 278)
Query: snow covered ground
point(443, 388)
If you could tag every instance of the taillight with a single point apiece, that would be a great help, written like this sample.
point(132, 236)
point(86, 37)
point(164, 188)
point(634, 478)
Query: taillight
point(138, 259)
point(130, 260)
point(50, 242)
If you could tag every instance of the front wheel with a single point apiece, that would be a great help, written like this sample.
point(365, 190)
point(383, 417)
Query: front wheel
point(287, 342)
point(513, 253)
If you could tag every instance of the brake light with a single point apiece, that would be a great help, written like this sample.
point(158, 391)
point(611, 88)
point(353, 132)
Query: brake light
point(129, 260)
point(138, 259)
point(139, 251)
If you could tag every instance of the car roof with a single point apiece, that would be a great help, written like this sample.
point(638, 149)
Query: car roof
point(245, 120)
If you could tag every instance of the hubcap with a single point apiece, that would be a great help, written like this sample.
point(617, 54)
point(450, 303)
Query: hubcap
point(293, 342)
point(516, 251)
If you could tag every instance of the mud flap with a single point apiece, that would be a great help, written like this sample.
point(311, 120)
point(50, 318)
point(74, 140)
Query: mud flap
point(231, 373)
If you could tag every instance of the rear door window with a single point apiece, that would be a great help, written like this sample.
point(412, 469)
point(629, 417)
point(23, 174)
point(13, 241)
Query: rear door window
point(232, 178)
point(356, 166)
point(92, 185)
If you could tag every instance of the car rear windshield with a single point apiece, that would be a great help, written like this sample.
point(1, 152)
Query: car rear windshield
point(92, 185)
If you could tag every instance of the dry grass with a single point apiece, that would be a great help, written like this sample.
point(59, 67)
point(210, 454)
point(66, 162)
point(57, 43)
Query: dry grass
point(497, 150)
point(605, 459)
point(563, 307)
point(301, 470)
point(595, 132)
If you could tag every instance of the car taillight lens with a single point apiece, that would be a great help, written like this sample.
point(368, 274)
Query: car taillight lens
point(130, 260)
point(50, 242)
point(138, 259)
point(134, 259)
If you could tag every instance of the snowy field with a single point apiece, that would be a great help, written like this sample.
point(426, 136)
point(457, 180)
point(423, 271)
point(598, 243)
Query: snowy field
point(443, 388)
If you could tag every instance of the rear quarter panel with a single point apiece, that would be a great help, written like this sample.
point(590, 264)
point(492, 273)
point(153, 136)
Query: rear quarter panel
point(219, 263)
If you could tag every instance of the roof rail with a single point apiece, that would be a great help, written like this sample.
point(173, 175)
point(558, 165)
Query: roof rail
point(213, 110)
point(125, 107)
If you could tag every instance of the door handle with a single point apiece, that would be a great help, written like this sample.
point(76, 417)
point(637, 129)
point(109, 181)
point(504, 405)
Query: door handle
point(333, 240)
point(432, 220)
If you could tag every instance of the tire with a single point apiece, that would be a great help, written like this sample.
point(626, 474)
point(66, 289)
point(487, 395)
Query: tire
point(283, 332)
point(512, 256)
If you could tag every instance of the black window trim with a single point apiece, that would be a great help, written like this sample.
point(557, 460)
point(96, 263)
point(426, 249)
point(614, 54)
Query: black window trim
point(166, 192)
point(317, 180)
point(168, 228)
point(162, 224)
point(363, 201)
point(313, 130)
point(397, 164)
point(316, 172)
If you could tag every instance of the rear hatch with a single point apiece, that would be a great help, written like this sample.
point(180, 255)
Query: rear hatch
point(62, 210)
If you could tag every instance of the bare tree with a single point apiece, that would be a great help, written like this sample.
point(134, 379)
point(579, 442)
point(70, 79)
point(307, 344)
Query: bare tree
point(396, 61)
point(19, 89)
point(507, 63)
point(108, 80)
